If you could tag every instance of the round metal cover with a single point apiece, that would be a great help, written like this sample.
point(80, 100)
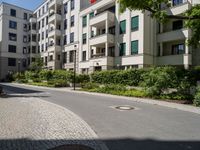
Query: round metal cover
point(125, 107)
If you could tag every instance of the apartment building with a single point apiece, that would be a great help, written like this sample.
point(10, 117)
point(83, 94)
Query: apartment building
point(14, 39)
point(99, 36)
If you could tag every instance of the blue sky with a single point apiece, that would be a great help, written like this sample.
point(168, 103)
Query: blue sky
point(28, 4)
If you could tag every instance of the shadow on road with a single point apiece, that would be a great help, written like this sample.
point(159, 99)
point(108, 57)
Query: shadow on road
point(12, 91)
point(112, 144)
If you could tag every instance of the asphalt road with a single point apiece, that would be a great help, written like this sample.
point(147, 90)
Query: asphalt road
point(147, 127)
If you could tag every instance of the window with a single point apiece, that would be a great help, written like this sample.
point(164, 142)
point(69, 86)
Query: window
point(177, 2)
point(42, 48)
point(25, 27)
point(34, 49)
point(65, 8)
point(71, 56)
point(24, 50)
point(84, 21)
point(65, 40)
point(42, 22)
point(12, 48)
point(12, 37)
point(65, 24)
point(46, 47)
point(46, 33)
point(72, 37)
point(25, 39)
point(84, 56)
point(72, 21)
point(134, 47)
point(38, 37)
point(13, 12)
point(123, 27)
point(42, 35)
point(43, 10)
point(91, 15)
point(72, 4)
point(122, 49)
point(47, 20)
point(12, 62)
point(178, 49)
point(25, 16)
point(12, 24)
point(84, 38)
point(134, 23)
point(58, 57)
point(177, 25)
point(38, 25)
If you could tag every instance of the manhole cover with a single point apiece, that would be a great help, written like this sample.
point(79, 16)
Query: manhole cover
point(125, 107)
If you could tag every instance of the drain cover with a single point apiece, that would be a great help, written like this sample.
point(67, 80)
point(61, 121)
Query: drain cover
point(124, 107)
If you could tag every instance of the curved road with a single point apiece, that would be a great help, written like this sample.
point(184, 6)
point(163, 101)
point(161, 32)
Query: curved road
point(147, 127)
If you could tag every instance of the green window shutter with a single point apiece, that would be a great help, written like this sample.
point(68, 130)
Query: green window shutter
point(134, 47)
point(91, 15)
point(122, 49)
point(84, 21)
point(134, 23)
point(123, 27)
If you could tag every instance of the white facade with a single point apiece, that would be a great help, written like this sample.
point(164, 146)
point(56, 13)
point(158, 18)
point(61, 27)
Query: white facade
point(102, 37)
point(13, 39)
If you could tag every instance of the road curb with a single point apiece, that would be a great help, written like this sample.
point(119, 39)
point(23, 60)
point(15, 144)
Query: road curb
point(182, 107)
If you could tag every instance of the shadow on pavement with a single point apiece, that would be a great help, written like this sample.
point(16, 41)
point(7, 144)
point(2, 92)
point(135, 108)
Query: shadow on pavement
point(112, 144)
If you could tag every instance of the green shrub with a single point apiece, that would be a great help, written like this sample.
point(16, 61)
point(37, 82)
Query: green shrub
point(45, 75)
point(159, 79)
point(89, 86)
point(82, 78)
point(130, 77)
point(62, 74)
point(30, 75)
point(58, 83)
point(196, 100)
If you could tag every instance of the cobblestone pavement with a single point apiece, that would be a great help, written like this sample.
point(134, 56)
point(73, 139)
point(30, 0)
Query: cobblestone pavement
point(28, 123)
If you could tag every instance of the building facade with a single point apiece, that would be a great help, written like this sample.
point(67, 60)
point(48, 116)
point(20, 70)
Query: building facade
point(96, 33)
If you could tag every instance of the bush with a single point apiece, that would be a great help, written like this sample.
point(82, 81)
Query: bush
point(130, 77)
point(196, 100)
point(62, 74)
point(30, 75)
point(58, 83)
point(159, 79)
point(45, 75)
point(82, 78)
point(89, 86)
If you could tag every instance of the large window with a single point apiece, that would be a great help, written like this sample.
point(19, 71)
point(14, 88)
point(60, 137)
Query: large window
point(12, 37)
point(66, 8)
point(72, 21)
point(72, 37)
point(65, 24)
point(72, 4)
point(84, 38)
point(25, 16)
point(71, 56)
point(134, 23)
point(123, 27)
point(12, 24)
point(65, 40)
point(84, 23)
point(134, 47)
point(84, 56)
point(12, 62)
point(122, 49)
point(13, 12)
point(178, 49)
point(177, 25)
point(12, 48)
point(91, 15)
point(177, 2)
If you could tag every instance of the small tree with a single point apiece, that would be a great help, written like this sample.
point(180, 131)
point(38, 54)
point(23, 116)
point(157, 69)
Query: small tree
point(37, 65)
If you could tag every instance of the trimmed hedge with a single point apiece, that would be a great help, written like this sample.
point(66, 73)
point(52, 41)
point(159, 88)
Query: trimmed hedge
point(125, 77)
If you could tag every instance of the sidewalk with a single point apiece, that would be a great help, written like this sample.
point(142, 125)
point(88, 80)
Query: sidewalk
point(183, 107)
point(28, 123)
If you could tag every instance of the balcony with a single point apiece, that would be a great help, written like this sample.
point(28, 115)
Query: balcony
point(96, 40)
point(102, 61)
point(32, 20)
point(54, 48)
point(53, 2)
point(54, 32)
point(173, 35)
point(179, 9)
point(174, 60)
point(107, 15)
point(54, 17)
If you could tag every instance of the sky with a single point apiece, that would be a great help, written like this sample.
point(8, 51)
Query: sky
point(28, 4)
